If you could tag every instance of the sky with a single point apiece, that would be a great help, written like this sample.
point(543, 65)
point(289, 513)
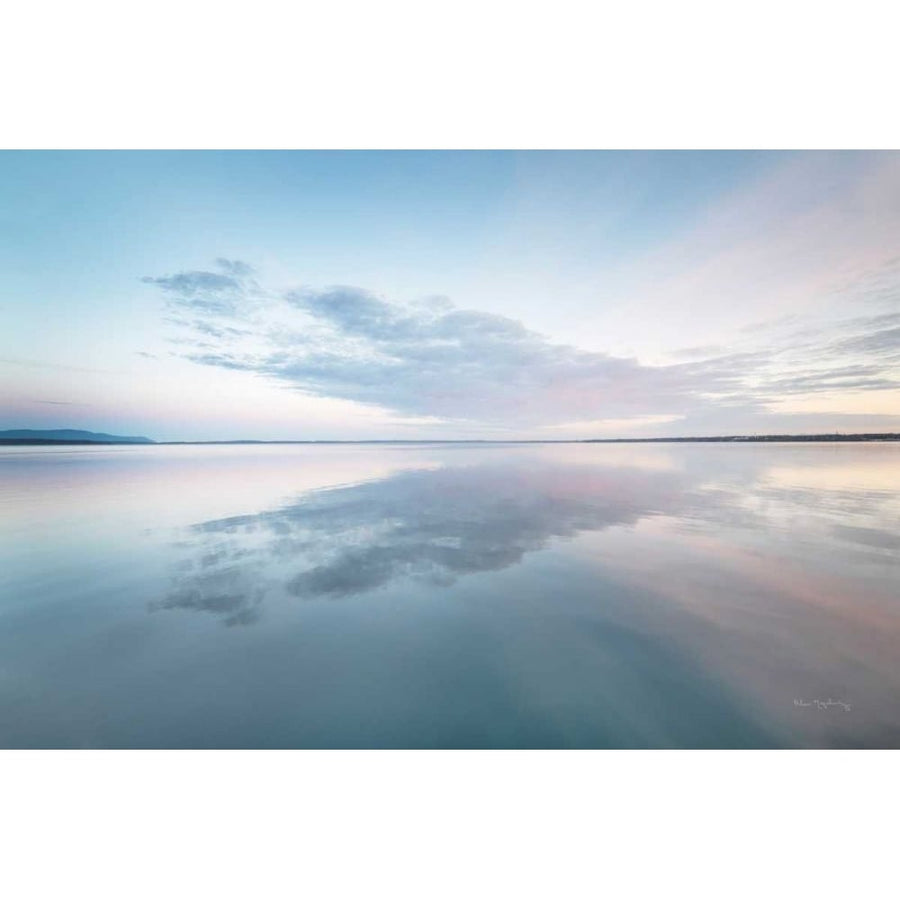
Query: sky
point(205, 295)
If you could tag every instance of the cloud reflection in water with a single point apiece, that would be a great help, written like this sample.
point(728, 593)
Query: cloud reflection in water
point(724, 578)
point(430, 526)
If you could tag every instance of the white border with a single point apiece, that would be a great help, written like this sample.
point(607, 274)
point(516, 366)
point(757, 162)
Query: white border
point(471, 74)
point(448, 824)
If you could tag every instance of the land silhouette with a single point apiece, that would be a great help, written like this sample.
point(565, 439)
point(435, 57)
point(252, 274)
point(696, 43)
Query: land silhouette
point(26, 436)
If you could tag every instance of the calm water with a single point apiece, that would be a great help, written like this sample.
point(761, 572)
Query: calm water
point(450, 596)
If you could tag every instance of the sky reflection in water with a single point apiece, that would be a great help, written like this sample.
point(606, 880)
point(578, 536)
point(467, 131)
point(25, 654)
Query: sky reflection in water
point(451, 596)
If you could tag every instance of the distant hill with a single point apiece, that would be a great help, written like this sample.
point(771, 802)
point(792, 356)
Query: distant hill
point(750, 438)
point(67, 436)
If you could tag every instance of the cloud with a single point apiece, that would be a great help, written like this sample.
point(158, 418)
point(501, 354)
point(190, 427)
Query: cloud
point(235, 267)
point(884, 341)
point(435, 360)
point(862, 377)
point(428, 359)
point(219, 293)
point(694, 352)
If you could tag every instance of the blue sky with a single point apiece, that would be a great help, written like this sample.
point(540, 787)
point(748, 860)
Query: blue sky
point(203, 295)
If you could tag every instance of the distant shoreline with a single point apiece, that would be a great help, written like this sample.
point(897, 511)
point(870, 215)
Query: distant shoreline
point(723, 439)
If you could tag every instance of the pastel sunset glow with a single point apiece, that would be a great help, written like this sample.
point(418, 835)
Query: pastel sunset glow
point(354, 295)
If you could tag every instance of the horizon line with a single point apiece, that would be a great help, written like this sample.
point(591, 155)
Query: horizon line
point(722, 438)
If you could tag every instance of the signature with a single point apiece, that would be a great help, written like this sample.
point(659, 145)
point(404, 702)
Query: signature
point(823, 704)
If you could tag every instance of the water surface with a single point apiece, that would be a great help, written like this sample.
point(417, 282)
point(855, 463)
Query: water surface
point(703, 595)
